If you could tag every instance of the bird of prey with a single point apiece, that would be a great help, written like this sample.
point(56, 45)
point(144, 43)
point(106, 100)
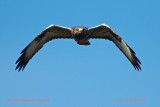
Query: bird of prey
point(81, 35)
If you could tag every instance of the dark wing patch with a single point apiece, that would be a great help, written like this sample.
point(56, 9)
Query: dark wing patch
point(105, 32)
point(51, 32)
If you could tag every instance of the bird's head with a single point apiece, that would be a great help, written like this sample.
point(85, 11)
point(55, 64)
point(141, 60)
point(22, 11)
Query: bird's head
point(78, 30)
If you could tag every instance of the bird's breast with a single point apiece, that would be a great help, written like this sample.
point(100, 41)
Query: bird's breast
point(80, 36)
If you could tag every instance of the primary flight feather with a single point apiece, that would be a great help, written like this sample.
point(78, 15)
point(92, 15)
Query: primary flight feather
point(81, 35)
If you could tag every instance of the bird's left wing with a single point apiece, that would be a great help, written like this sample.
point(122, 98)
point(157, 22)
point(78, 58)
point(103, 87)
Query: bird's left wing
point(51, 32)
point(105, 32)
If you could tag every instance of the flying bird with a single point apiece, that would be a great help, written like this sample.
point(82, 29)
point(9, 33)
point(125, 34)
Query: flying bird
point(81, 35)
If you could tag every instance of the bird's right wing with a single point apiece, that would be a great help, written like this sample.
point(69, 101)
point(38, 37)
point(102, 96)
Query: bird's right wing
point(51, 32)
point(105, 32)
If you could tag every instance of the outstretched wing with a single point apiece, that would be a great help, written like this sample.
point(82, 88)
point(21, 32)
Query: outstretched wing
point(105, 32)
point(51, 32)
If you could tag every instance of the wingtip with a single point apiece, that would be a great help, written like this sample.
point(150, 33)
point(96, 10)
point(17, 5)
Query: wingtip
point(138, 68)
point(137, 64)
point(21, 62)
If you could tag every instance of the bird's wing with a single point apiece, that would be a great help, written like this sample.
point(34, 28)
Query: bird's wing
point(105, 32)
point(51, 32)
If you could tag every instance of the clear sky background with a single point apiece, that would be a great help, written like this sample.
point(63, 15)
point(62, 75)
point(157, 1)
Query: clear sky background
point(68, 75)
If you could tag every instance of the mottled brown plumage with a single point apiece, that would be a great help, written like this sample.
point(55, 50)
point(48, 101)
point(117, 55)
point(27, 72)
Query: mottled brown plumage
point(81, 35)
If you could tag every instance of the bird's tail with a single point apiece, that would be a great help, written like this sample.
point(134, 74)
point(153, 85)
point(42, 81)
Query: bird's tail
point(83, 42)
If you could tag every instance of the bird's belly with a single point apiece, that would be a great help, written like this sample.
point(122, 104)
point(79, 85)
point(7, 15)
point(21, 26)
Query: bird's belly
point(82, 39)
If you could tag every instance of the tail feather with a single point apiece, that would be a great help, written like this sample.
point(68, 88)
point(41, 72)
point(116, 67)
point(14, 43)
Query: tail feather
point(83, 42)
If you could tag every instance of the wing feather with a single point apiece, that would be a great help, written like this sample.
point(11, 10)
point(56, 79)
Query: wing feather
point(51, 32)
point(105, 32)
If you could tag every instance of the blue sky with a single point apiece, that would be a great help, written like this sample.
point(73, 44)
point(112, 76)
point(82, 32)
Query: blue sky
point(68, 75)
